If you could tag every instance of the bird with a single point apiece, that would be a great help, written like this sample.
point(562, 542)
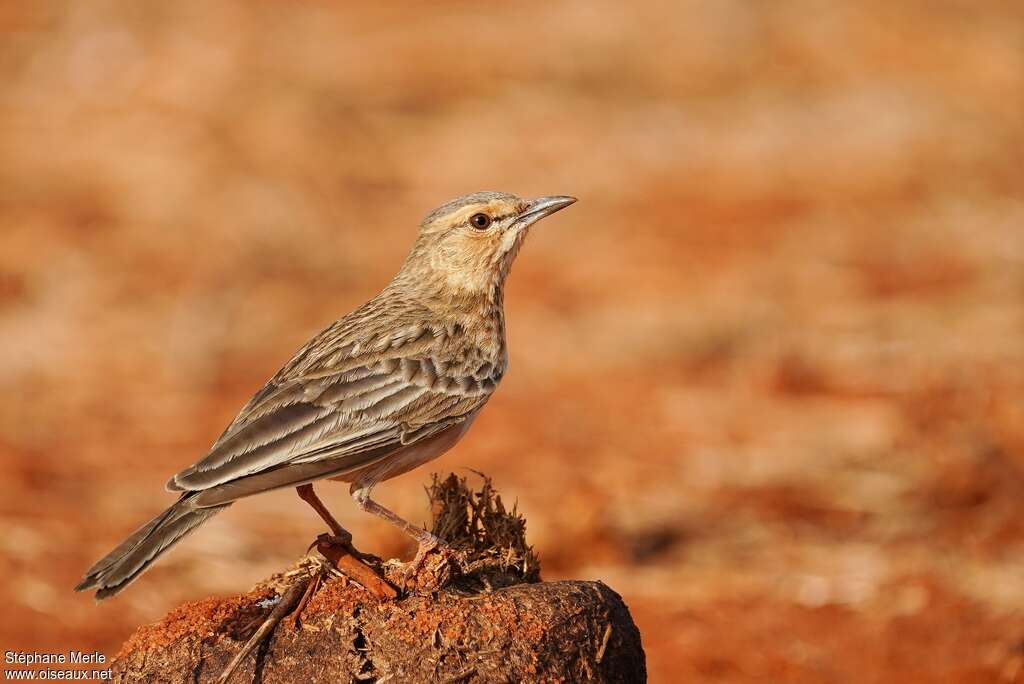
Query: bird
point(390, 386)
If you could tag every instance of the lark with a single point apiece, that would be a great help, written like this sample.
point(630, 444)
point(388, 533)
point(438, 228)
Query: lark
point(387, 388)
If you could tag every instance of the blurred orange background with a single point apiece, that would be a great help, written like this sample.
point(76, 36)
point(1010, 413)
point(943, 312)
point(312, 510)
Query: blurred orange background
point(767, 375)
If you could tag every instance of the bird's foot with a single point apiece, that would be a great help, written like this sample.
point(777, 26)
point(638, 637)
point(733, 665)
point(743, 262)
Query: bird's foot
point(427, 544)
point(342, 541)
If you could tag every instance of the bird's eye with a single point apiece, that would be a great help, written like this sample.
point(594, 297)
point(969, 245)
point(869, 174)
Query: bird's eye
point(480, 221)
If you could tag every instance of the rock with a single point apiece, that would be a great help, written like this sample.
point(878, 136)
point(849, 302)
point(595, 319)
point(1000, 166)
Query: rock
point(550, 631)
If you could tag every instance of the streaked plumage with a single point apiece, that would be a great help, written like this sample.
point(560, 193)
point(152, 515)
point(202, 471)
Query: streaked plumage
point(386, 388)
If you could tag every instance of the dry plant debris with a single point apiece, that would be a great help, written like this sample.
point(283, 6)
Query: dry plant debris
point(486, 538)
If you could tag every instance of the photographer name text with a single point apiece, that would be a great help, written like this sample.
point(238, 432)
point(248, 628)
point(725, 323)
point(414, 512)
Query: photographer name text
point(42, 658)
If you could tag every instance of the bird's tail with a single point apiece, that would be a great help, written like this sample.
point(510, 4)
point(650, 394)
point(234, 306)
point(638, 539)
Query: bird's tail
point(117, 569)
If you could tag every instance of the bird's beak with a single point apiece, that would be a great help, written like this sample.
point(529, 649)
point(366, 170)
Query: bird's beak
point(541, 207)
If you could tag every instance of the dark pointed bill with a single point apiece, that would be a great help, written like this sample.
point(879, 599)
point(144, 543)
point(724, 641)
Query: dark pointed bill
point(543, 206)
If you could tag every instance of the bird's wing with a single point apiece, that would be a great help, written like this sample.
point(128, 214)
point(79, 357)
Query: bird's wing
point(359, 412)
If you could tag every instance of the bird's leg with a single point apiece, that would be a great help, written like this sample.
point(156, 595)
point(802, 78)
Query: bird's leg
point(341, 535)
point(337, 548)
point(427, 542)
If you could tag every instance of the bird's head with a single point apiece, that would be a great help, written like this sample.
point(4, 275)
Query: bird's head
point(467, 245)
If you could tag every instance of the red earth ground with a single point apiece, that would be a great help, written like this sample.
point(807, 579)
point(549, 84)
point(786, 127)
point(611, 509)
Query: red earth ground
point(767, 376)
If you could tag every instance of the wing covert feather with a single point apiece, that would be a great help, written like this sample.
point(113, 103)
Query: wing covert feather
point(337, 417)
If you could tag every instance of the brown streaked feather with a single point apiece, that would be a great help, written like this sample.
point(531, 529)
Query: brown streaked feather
point(124, 564)
point(291, 475)
point(334, 416)
point(277, 430)
point(295, 474)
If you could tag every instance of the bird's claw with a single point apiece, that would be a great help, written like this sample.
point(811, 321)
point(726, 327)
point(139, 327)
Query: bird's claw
point(413, 567)
point(342, 540)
